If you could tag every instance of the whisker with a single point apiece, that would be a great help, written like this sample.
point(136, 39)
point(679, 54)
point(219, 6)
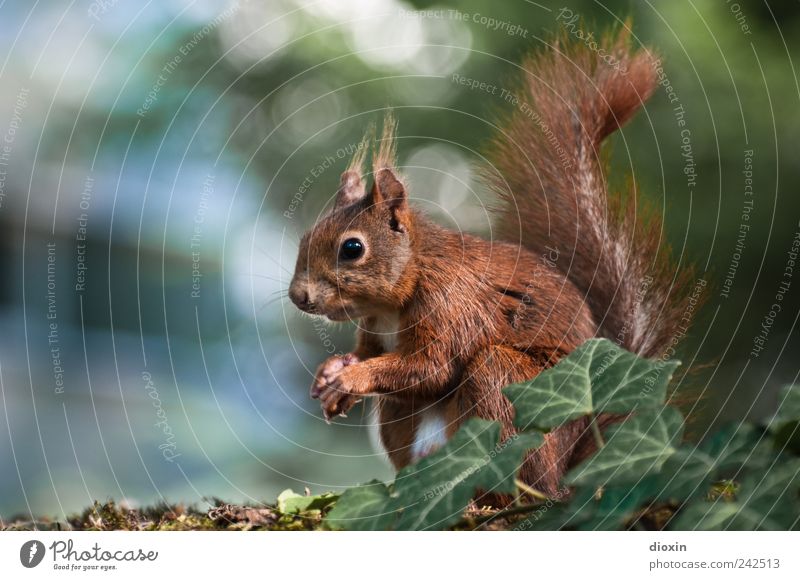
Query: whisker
point(274, 261)
point(261, 276)
point(272, 301)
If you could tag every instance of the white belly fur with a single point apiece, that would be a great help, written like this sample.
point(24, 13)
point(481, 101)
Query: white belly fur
point(430, 433)
point(431, 427)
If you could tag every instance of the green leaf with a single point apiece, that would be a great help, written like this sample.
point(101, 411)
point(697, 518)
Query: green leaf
point(767, 500)
point(617, 505)
point(785, 426)
point(689, 470)
point(597, 377)
point(290, 502)
point(434, 492)
point(365, 508)
point(584, 511)
point(789, 406)
point(633, 449)
point(787, 437)
point(559, 516)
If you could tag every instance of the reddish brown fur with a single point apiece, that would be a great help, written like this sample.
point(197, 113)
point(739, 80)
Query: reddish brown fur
point(475, 315)
point(612, 240)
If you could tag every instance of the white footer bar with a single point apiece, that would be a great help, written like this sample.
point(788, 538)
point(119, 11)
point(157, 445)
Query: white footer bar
point(352, 556)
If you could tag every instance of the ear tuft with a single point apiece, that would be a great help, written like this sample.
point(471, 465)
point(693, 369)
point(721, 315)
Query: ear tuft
point(387, 187)
point(351, 189)
point(387, 147)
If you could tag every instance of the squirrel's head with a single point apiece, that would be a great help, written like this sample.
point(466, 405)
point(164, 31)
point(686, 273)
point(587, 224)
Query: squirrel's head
point(354, 262)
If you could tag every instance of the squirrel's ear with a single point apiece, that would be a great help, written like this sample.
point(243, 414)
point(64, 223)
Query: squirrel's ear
point(351, 189)
point(389, 191)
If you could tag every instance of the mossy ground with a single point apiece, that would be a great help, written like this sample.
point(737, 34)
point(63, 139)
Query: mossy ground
point(224, 516)
point(163, 517)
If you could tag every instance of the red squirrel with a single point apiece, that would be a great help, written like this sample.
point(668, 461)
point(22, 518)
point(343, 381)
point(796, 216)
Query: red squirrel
point(445, 319)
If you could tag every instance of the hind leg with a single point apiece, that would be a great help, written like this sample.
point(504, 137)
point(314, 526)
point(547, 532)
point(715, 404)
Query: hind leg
point(480, 395)
point(397, 419)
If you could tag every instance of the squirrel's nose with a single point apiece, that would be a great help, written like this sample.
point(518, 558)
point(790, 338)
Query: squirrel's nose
point(300, 298)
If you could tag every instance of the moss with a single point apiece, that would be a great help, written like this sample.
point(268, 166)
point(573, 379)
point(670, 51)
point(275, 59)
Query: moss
point(164, 517)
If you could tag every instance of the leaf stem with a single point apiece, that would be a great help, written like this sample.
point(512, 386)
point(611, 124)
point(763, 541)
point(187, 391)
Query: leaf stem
point(531, 491)
point(598, 436)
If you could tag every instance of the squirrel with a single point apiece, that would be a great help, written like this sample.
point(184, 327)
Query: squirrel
point(445, 319)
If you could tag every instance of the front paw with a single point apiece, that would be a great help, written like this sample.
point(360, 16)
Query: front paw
point(345, 390)
point(327, 371)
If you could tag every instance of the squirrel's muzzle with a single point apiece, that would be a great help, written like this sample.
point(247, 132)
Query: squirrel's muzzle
point(298, 294)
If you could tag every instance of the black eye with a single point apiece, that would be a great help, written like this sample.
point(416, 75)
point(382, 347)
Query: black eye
point(351, 249)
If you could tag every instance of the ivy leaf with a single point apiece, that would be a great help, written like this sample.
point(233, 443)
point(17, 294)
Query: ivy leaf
point(617, 505)
point(597, 377)
point(367, 507)
point(787, 437)
point(767, 500)
point(559, 516)
point(789, 406)
point(584, 511)
point(290, 502)
point(434, 492)
point(689, 470)
point(786, 423)
point(635, 448)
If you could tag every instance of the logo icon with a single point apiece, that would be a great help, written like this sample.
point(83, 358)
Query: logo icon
point(31, 553)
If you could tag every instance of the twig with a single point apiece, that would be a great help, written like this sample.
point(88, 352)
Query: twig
point(531, 491)
point(517, 509)
point(512, 511)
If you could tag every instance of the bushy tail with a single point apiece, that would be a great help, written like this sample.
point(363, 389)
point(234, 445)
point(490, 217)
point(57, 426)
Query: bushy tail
point(549, 170)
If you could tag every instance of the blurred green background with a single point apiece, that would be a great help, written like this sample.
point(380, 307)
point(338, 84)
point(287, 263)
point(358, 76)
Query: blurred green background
point(159, 161)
